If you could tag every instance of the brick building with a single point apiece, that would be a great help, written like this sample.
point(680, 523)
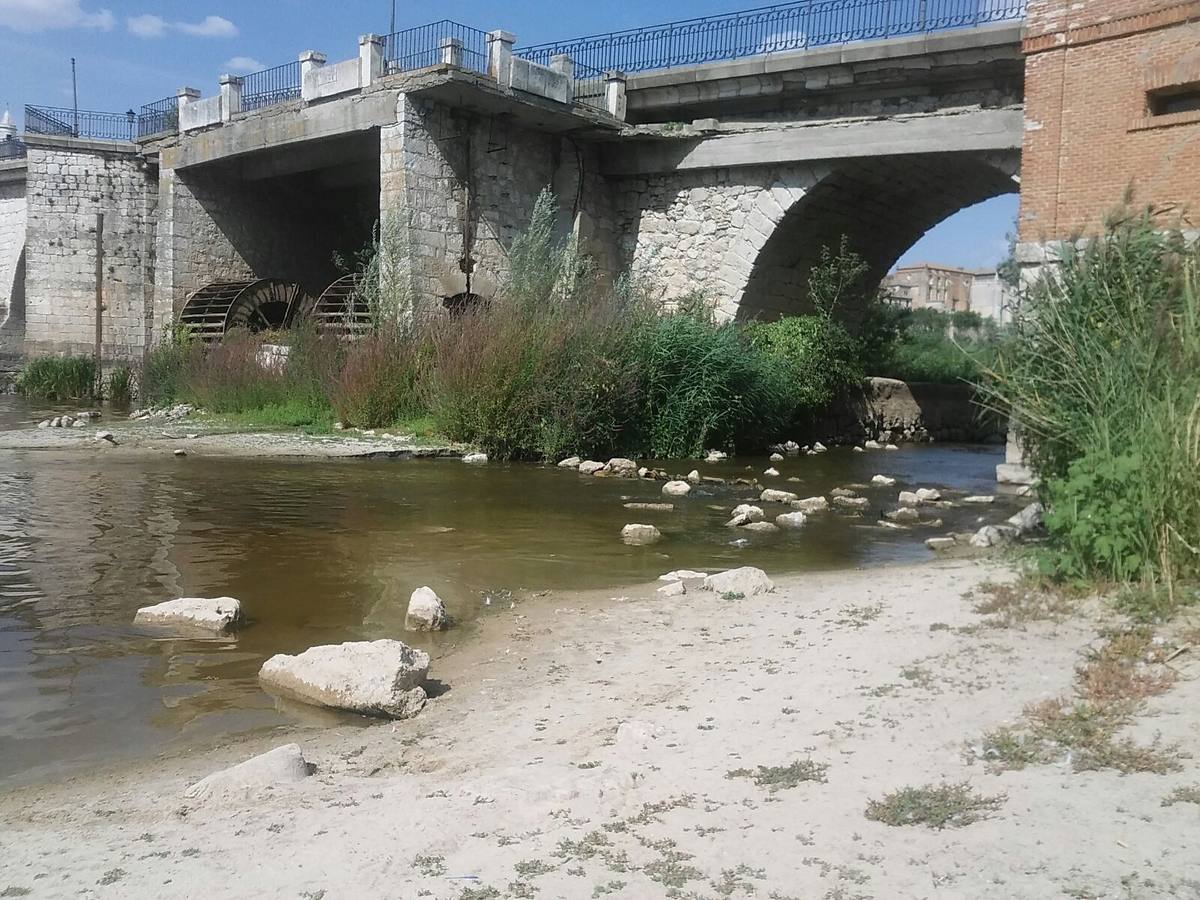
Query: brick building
point(929, 286)
point(1112, 110)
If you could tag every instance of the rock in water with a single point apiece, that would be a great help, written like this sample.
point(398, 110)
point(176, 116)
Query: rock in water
point(852, 502)
point(940, 543)
point(571, 462)
point(693, 477)
point(908, 498)
point(772, 472)
point(747, 581)
point(928, 495)
point(982, 500)
point(1027, 520)
point(640, 535)
point(791, 520)
point(761, 527)
point(903, 514)
point(883, 480)
point(376, 678)
point(770, 496)
point(622, 468)
point(426, 612)
point(219, 615)
point(475, 459)
point(873, 445)
point(590, 467)
point(752, 513)
point(283, 765)
point(676, 488)
point(811, 504)
point(777, 457)
point(716, 456)
point(993, 536)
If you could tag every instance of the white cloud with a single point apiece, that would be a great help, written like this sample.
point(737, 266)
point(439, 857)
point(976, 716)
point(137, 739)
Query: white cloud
point(242, 65)
point(147, 26)
point(212, 26)
point(42, 15)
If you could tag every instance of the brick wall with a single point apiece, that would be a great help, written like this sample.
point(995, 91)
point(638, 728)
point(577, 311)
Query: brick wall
point(67, 188)
point(1089, 137)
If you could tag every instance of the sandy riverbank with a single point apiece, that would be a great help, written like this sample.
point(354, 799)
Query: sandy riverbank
point(204, 436)
point(586, 750)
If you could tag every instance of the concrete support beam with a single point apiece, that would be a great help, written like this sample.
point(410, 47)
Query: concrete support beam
point(976, 130)
point(370, 59)
point(231, 96)
point(183, 97)
point(310, 61)
point(500, 56)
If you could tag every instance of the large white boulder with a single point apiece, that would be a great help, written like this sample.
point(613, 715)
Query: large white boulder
point(640, 535)
point(910, 498)
point(681, 574)
point(475, 459)
point(676, 489)
point(694, 477)
point(1027, 520)
point(752, 513)
point(883, 480)
point(571, 462)
point(218, 615)
point(852, 502)
point(773, 496)
point(673, 589)
point(761, 527)
point(747, 581)
point(376, 678)
point(791, 520)
point(590, 467)
point(811, 504)
point(283, 765)
point(993, 536)
point(928, 495)
point(777, 457)
point(903, 514)
point(426, 612)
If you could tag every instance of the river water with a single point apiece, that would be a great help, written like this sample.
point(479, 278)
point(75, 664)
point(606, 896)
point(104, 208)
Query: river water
point(326, 551)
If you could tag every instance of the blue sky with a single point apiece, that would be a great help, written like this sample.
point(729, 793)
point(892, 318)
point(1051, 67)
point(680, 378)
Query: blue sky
point(131, 52)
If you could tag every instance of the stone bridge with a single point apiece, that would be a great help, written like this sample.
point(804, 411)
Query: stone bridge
point(725, 178)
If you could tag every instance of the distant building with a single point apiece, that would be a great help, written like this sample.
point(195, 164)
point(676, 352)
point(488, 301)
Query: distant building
point(950, 289)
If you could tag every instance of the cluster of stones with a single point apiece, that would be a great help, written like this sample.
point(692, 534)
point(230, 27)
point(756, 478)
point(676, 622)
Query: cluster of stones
point(79, 420)
point(178, 411)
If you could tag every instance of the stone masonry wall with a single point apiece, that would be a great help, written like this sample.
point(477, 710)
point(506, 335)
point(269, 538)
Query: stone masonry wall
point(445, 174)
point(67, 187)
point(1090, 134)
point(12, 274)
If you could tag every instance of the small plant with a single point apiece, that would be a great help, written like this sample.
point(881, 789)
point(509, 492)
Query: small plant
point(733, 595)
point(59, 378)
point(430, 866)
point(935, 805)
point(1189, 794)
point(120, 385)
point(778, 778)
point(1025, 601)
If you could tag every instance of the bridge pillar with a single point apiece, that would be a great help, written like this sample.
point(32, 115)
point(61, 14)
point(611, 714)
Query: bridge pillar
point(452, 52)
point(183, 97)
point(614, 94)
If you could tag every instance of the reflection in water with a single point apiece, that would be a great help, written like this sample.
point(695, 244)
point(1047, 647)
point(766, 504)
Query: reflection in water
point(321, 552)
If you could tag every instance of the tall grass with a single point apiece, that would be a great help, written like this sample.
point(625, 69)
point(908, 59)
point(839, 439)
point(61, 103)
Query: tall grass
point(1103, 377)
point(59, 378)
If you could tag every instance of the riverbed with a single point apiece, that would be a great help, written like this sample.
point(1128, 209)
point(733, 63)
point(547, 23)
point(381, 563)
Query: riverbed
point(321, 551)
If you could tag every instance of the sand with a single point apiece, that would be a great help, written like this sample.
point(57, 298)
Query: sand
point(585, 750)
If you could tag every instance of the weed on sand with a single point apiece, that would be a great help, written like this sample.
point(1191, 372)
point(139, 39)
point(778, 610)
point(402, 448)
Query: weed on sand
point(778, 778)
point(935, 805)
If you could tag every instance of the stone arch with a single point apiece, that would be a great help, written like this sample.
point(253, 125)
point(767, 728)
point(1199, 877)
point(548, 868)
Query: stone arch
point(883, 205)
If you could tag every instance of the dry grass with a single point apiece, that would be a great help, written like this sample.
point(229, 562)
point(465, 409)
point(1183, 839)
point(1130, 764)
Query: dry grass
point(1128, 667)
point(1025, 601)
point(778, 778)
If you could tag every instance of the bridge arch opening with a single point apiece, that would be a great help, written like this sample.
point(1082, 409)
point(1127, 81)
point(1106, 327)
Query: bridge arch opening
point(882, 206)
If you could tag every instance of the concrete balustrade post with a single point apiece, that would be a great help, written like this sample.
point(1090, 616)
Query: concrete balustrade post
point(231, 96)
point(310, 62)
point(614, 94)
point(370, 59)
point(500, 52)
point(563, 65)
point(452, 52)
point(183, 97)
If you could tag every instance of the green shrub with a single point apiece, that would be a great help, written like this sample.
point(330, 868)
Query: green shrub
point(822, 357)
point(707, 386)
point(1102, 376)
point(58, 378)
point(120, 385)
point(379, 380)
point(162, 371)
point(920, 355)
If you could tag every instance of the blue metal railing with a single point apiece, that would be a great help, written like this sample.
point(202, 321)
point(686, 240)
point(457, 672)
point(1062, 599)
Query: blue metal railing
point(158, 117)
point(421, 47)
point(772, 29)
point(589, 87)
point(270, 86)
point(81, 123)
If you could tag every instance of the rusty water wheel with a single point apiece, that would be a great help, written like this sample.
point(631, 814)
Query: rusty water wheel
point(261, 305)
point(342, 310)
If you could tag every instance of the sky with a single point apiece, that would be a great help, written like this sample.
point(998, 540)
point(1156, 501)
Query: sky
point(130, 52)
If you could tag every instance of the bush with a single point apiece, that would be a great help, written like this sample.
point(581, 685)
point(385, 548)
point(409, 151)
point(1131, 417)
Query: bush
point(707, 386)
point(924, 356)
point(120, 385)
point(822, 357)
point(59, 378)
point(378, 382)
point(162, 371)
point(1103, 378)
